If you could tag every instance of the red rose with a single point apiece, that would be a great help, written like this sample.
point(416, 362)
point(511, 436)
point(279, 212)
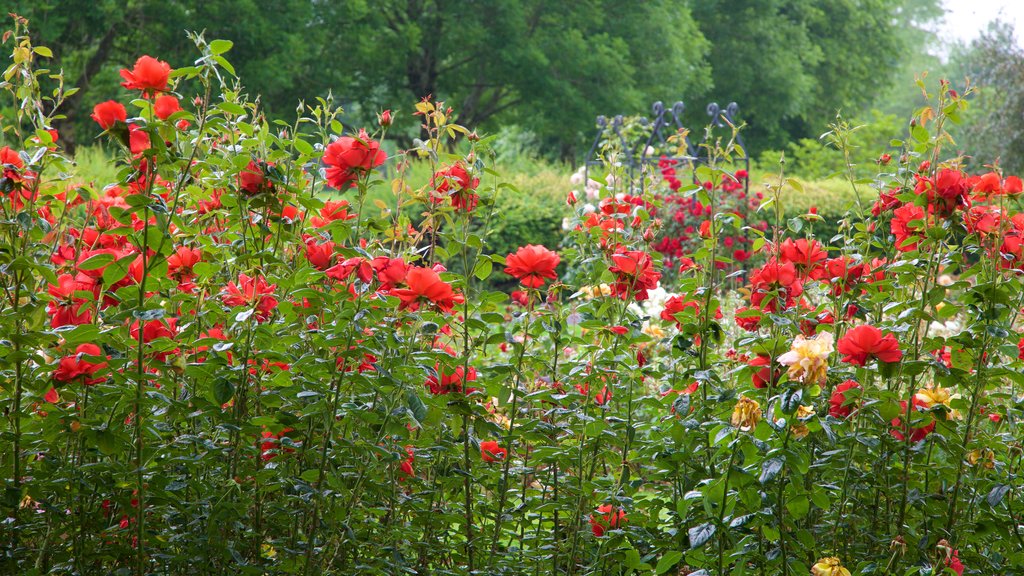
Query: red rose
point(390, 271)
point(842, 274)
point(838, 403)
point(490, 451)
point(1013, 185)
point(332, 210)
point(252, 180)
point(75, 367)
point(253, 292)
point(765, 375)
point(138, 140)
point(705, 229)
point(405, 469)
point(149, 75)
point(916, 434)
point(864, 342)
point(906, 234)
point(454, 183)
point(635, 274)
point(348, 157)
point(954, 564)
point(106, 114)
point(531, 264)
point(748, 318)
point(384, 119)
point(806, 255)
point(448, 382)
point(165, 105)
point(425, 284)
point(320, 254)
point(775, 286)
point(607, 517)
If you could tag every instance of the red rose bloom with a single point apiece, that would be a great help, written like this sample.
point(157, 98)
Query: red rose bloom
point(454, 182)
point(251, 179)
point(765, 375)
point(806, 255)
point(490, 451)
point(748, 318)
point(106, 114)
point(607, 518)
point(349, 157)
point(390, 271)
point(531, 264)
point(165, 105)
point(75, 367)
point(149, 75)
point(448, 382)
point(907, 235)
point(635, 274)
point(423, 284)
point(138, 140)
point(842, 274)
point(864, 342)
point(838, 407)
point(333, 210)
point(775, 286)
point(405, 469)
point(251, 292)
point(954, 564)
point(916, 434)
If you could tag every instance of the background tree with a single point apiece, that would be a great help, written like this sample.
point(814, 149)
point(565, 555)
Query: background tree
point(994, 63)
point(548, 67)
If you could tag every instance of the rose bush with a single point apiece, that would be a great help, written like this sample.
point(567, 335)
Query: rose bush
point(229, 361)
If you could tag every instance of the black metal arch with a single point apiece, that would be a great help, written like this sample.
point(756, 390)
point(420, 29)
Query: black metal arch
point(666, 122)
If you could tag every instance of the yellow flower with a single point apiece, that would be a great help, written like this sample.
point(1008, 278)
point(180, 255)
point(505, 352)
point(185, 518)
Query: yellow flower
point(808, 358)
point(985, 456)
point(800, 430)
point(830, 566)
point(929, 397)
point(595, 291)
point(654, 331)
point(746, 414)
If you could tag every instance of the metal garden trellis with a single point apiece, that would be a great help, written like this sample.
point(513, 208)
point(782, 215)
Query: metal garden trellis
point(666, 123)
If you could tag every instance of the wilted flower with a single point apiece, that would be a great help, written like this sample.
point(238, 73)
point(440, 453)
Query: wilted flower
point(830, 566)
point(800, 429)
point(746, 414)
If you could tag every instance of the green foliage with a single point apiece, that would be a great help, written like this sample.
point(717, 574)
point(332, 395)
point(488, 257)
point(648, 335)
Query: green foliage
point(548, 67)
point(814, 159)
point(993, 63)
point(790, 63)
point(532, 213)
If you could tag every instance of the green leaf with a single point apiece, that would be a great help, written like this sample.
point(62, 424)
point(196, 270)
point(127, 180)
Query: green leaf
point(223, 390)
point(221, 46)
point(416, 406)
point(699, 535)
point(770, 469)
point(96, 262)
point(996, 495)
point(633, 559)
point(483, 268)
point(667, 561)
point(303, 147)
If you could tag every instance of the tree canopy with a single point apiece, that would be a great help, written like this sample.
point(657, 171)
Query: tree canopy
point(549, 67)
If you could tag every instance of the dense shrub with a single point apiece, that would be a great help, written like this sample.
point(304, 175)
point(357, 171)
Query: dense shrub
point(234, 360)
